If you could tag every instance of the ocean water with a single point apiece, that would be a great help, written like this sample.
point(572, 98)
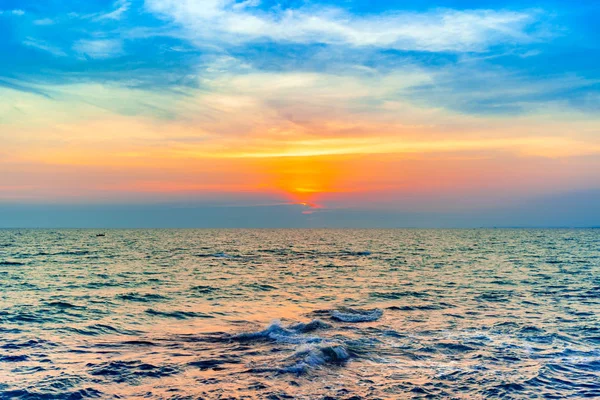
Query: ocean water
point(304, 314)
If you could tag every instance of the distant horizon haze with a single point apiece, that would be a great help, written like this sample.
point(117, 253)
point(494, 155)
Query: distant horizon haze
point(577, 210)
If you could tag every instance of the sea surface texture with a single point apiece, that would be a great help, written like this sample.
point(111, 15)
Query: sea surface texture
point(304, 314)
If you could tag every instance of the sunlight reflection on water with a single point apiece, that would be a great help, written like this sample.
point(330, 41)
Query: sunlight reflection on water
point(398, 313)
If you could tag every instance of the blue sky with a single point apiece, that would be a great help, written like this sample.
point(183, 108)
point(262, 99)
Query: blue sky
point(355, 106)
point(152, 44)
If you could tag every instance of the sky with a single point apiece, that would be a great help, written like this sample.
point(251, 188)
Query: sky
point(265, 113)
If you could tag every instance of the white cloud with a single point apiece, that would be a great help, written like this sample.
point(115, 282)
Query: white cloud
point(440, 30)
point(43, 21)
point(121, 7)
point(105, 48)
point(246, 3)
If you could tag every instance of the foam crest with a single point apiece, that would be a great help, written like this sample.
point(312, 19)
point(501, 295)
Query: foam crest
point(291, 334)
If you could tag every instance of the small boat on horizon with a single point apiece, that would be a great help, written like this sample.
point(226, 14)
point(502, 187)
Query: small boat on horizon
point(100, 234)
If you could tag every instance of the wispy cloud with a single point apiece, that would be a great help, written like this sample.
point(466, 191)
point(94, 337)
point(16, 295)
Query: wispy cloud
point(435, 31)
point(121, 7)
point(44, 46)
point(16, 12)
point(43, 21)
point(100, 49)
point(483, 88)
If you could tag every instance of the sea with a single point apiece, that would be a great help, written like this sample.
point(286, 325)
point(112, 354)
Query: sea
point(299, 314)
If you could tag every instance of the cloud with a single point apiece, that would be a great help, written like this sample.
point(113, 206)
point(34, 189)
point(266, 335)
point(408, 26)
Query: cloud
point(261, 116)
point(41, 45)
point(19, 86)
point(433, 31)
point(488, 90)
point(13, 12)
point(295, 132)
point(43, 21)
point(121, 7)
point(100, 49)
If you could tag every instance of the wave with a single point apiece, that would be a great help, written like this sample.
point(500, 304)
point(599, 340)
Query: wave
point(263, 287)
point(214, 364)
point(422, 307)
point(25, 317)
point(63, 305)
point(28, 344)
point(346, 314)
point(316, 355)
point(130, 371)
point(203, 289)
point(215, 255)
point(177, 314)
point(357, 253)
point(279, 333)
point(87, 393)
point(11, 263)
point(311, 326)
point(397, 295)
point(14, 358)
point(313, 351)
point(141, 297)
point(100, 329)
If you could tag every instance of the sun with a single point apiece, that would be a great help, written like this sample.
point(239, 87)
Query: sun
point(305, 196)
point(304, 180)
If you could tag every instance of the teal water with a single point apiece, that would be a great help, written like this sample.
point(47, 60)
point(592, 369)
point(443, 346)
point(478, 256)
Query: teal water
point(307, 314)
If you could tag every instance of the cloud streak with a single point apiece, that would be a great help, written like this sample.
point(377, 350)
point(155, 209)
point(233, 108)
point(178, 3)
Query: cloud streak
point(44, 46)
point(122, 6)
point(99, 49)
point(435, 31)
